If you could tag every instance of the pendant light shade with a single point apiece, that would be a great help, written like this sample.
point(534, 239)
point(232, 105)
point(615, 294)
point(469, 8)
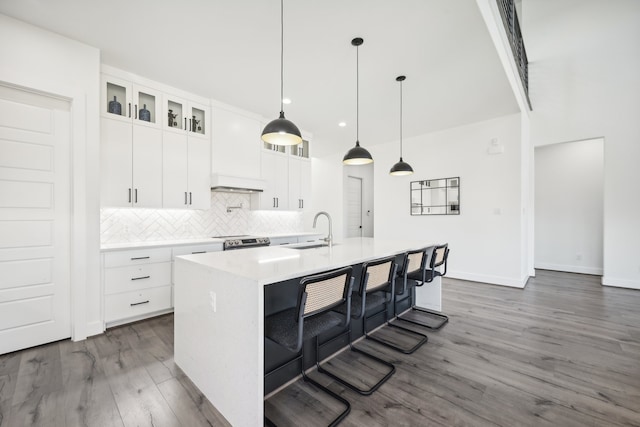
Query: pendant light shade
point(402, 167)
point(281, 131)
point(357, 155)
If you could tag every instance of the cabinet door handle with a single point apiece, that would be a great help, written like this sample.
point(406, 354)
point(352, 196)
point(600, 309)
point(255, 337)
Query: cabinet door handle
point(185, 197)
point(140, 278)
point(139, 303)
point(136, 196)
point(190, 126)
point(302, 203)
point(185, 123)
point(136, 111)
point(199, 252)
point(140, 257)
point(277, 202)
point(129, 109)
point(190, 198)
point(129, 195)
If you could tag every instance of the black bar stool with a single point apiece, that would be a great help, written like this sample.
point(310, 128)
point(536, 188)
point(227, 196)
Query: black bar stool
point(416, 272)
point(379, 274)
point(318, 295)
point(377, 289)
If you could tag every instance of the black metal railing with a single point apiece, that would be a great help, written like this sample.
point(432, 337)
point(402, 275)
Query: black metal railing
point(512, 26)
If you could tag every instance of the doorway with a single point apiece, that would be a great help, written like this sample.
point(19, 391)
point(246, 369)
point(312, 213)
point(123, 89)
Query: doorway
point(35, 213)
point(569, 206)
point(354, 206)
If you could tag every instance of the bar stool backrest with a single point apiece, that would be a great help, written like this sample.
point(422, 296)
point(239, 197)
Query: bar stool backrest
point(323, 292)
point(416, 260)
point(438, 258)
point(377, 274)
point(439, 255)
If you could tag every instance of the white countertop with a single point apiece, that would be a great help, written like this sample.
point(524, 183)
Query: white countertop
point(195, 241)
point(266, 265)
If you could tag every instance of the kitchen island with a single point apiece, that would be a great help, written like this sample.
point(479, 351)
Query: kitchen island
point(220, 309)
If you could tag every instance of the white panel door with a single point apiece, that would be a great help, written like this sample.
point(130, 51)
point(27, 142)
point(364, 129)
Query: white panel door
point(354, 207)
point(34, 219)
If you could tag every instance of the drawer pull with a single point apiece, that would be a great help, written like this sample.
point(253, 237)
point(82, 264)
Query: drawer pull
point(140, 278)
point(140, 257)
point(139, 303)
point(199, 252)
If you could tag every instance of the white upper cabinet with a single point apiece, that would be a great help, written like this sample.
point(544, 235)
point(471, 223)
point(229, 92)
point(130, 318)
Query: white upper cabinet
point(185, 172)
point(182, 115)
point(131, 165)
point(299, 183)
point(275, 171)
point(148, 160)
point(129, 102)
point(236, 143)
point(299, 176)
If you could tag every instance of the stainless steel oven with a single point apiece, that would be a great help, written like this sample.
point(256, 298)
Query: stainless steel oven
point(243, 242)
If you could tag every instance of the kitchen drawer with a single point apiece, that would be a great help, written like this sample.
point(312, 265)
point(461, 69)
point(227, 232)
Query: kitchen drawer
point(131, 304)
point(139, 256)
point(136, 277)
point(280, 241)
point(194, 249)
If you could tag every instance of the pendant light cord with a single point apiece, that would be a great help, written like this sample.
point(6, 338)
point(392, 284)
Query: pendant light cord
point(281, 56)
point(357, 94)
point(400, 119)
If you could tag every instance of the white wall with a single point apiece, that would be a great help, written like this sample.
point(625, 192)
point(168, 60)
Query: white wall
point(569, 206)
point(44, 61)
point(327, 186)
point(584, 61)
point(485, 239)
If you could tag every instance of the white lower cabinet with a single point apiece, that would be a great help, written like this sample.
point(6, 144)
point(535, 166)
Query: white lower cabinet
point(138, 283)
point(137, 304)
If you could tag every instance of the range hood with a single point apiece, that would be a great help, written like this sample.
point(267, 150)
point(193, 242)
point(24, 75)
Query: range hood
point(236, 184)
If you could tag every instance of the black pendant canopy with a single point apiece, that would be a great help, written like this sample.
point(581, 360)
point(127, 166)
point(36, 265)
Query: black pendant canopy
point(357, 155)
point(281, 131)
point(402, 167)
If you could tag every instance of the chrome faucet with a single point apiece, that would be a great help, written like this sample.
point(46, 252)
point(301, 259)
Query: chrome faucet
point(329, 238)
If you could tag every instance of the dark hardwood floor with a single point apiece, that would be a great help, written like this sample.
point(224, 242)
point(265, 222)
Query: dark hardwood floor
point(565, 351)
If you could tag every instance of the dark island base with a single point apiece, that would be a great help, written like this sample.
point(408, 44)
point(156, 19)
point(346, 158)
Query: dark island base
point(281, 365)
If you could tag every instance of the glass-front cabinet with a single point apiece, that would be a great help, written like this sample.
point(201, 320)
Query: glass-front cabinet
point(186, 116)
point(129, 102)
point(435, 196)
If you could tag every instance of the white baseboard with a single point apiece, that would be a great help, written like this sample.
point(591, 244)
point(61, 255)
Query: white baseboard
point(620, 283)
point(581, 269)
point(493, 280)
point(95, 328)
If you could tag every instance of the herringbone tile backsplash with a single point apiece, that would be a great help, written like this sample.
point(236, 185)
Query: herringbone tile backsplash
point(121, 225)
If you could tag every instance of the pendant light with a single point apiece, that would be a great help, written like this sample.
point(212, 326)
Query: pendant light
point(401, 168)
point(357, 155)
point(281, 131)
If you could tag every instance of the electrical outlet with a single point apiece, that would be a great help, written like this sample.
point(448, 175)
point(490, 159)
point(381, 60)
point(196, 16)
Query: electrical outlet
point(214, 301)
point(578, 257)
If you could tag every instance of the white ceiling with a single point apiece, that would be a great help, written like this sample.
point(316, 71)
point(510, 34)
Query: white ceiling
point(230, 51)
